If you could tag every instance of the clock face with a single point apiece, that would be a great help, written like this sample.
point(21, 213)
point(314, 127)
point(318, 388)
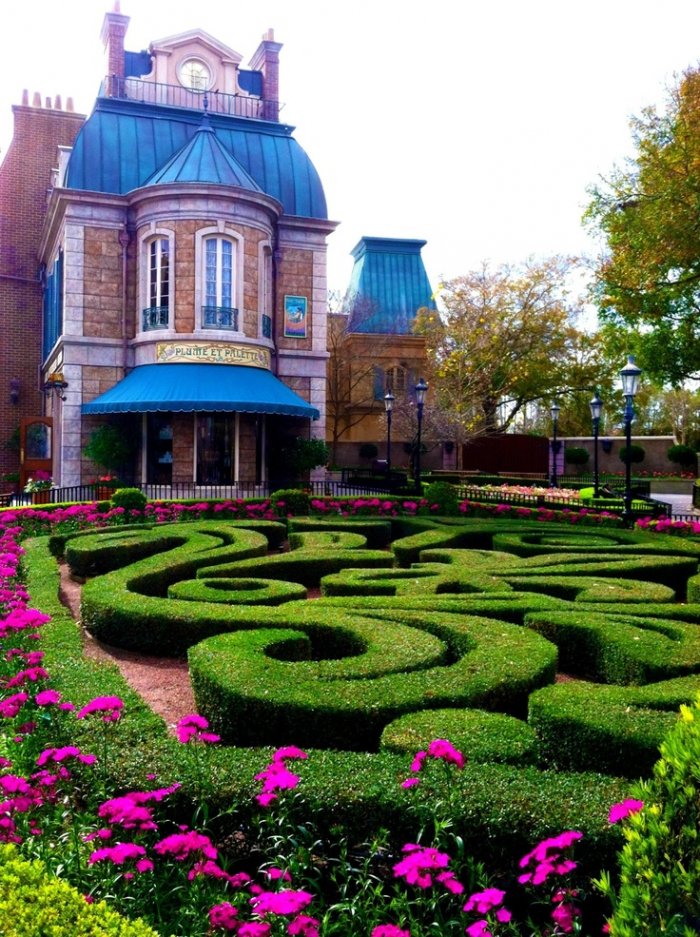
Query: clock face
point(195, 75)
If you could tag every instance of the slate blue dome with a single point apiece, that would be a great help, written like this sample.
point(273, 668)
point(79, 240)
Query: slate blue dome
point(124, 144)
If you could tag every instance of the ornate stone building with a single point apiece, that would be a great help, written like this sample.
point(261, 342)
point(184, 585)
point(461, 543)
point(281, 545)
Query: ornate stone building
point(174, 266)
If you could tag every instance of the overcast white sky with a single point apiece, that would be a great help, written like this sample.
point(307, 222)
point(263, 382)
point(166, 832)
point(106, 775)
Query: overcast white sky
point(476, 126)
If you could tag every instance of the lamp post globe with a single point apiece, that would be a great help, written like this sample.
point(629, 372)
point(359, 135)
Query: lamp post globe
point(388, 408)
point(421, 389)
point(596, 405)
point(554, 413)
point(630, 377)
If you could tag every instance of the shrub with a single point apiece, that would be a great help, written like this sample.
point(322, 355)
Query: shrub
point(444, 496)
point(660, 861)
point(685, 456)
point(576, 455)
point(131, 499)
point(636, 454)
point(294, 501)
point(34, 903)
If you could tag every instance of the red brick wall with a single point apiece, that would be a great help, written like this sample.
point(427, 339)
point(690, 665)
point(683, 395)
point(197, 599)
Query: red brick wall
point(25, 178)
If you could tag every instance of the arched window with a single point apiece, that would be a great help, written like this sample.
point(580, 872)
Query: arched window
point(157, 284)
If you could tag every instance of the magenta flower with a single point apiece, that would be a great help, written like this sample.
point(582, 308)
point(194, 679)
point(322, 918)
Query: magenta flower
point(275, 777)
point(389, 930)
point(121, 854)
point(479, 929)
point(59, 755)
point(191, 729)
point(484, 901)
point(421, 865)
point(31, 675)
point(254, 929)
point(224, 915)
point(620, 811)
point(441, 749)
point(303, 926)
point(280, 902)
point(11, 706)
point(288, 751)
point(126, 812)
point(546, 858)
point(111, 706)
point(182, 845)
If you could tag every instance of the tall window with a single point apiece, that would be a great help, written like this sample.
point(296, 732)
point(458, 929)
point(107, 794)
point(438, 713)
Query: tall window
point(218, 311)
point(156, 314)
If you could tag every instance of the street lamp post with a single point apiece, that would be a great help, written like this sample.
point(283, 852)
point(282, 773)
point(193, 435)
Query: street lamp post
point(421, 390)
point(388, 407)
point(596, 406)
point(554, 412)
point(629, 377)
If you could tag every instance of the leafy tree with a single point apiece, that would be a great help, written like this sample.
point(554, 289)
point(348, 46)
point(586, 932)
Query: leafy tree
point(648, 212)
point(504, 339)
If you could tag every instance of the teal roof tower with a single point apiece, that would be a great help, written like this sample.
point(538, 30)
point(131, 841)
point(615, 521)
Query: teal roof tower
point(388, 285)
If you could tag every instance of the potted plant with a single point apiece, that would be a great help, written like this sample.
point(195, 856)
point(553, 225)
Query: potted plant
point(106, 485)
point(39, 487)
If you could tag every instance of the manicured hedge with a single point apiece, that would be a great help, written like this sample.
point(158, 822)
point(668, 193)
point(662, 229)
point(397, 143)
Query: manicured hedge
point(338, 671)
point(612, 729)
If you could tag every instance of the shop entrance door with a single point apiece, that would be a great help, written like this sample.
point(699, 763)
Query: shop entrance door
point(35, 441)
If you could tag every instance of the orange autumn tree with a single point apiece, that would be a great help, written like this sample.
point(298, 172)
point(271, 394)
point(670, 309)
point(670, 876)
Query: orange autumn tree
point(504, 338)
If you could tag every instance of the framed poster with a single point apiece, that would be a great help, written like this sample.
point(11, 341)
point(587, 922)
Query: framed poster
point(295, 316)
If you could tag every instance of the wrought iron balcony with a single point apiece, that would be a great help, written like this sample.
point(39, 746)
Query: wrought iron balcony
point(220, 317)
point(215, 102)
point(156, 317)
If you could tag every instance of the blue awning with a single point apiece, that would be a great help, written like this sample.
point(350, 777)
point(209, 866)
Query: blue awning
point(201, 388)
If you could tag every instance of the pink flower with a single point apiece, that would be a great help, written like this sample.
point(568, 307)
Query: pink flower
point(479, 929)
point(254, 929)
point(389, 930)
point(281, 902)
point(288, 751)
point(564, 914)
point(59, 755)
point(420, 864)
point(182, 845)
point(224, 915)
point(191, 729)
point(303, 926)
point(119, 854)
point(275, 777)
point(620, 811)
point(124, 811)
point(11, 706)
point(484, 901)
point(111, 706)
point(441, 748)
point(547, 859)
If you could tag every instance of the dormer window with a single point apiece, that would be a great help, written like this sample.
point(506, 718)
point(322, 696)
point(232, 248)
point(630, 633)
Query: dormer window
point(195, 75)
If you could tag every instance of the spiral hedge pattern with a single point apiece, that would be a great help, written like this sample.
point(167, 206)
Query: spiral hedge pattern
point(412, 617)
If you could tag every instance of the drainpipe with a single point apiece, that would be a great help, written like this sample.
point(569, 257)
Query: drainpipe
point(124, 242)
point(276, 257)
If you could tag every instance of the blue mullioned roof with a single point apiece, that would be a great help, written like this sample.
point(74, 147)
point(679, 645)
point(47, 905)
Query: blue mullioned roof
point(204, 159)
point(124, 143)
point(390, 285)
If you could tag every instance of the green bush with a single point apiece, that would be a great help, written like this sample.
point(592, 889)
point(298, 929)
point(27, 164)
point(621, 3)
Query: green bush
point(685, 456)
point(482, 737)
point(131, 499)
point(444, 495)
point(576, 455)
point(293, 501)
point(636, 454)
point(34, 903)
point(659, 889)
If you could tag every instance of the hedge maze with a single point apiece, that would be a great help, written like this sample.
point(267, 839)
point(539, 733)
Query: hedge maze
point(543, 652)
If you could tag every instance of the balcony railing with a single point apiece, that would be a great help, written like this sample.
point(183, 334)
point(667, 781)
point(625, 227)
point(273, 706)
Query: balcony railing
point(220, 317)
point(156, 317)
point(215, 102)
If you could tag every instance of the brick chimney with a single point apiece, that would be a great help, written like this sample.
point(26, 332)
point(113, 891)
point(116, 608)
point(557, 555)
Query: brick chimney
point(266, 59)
point(113, 32)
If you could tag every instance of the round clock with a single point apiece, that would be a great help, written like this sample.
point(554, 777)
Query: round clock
point(195, 75)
